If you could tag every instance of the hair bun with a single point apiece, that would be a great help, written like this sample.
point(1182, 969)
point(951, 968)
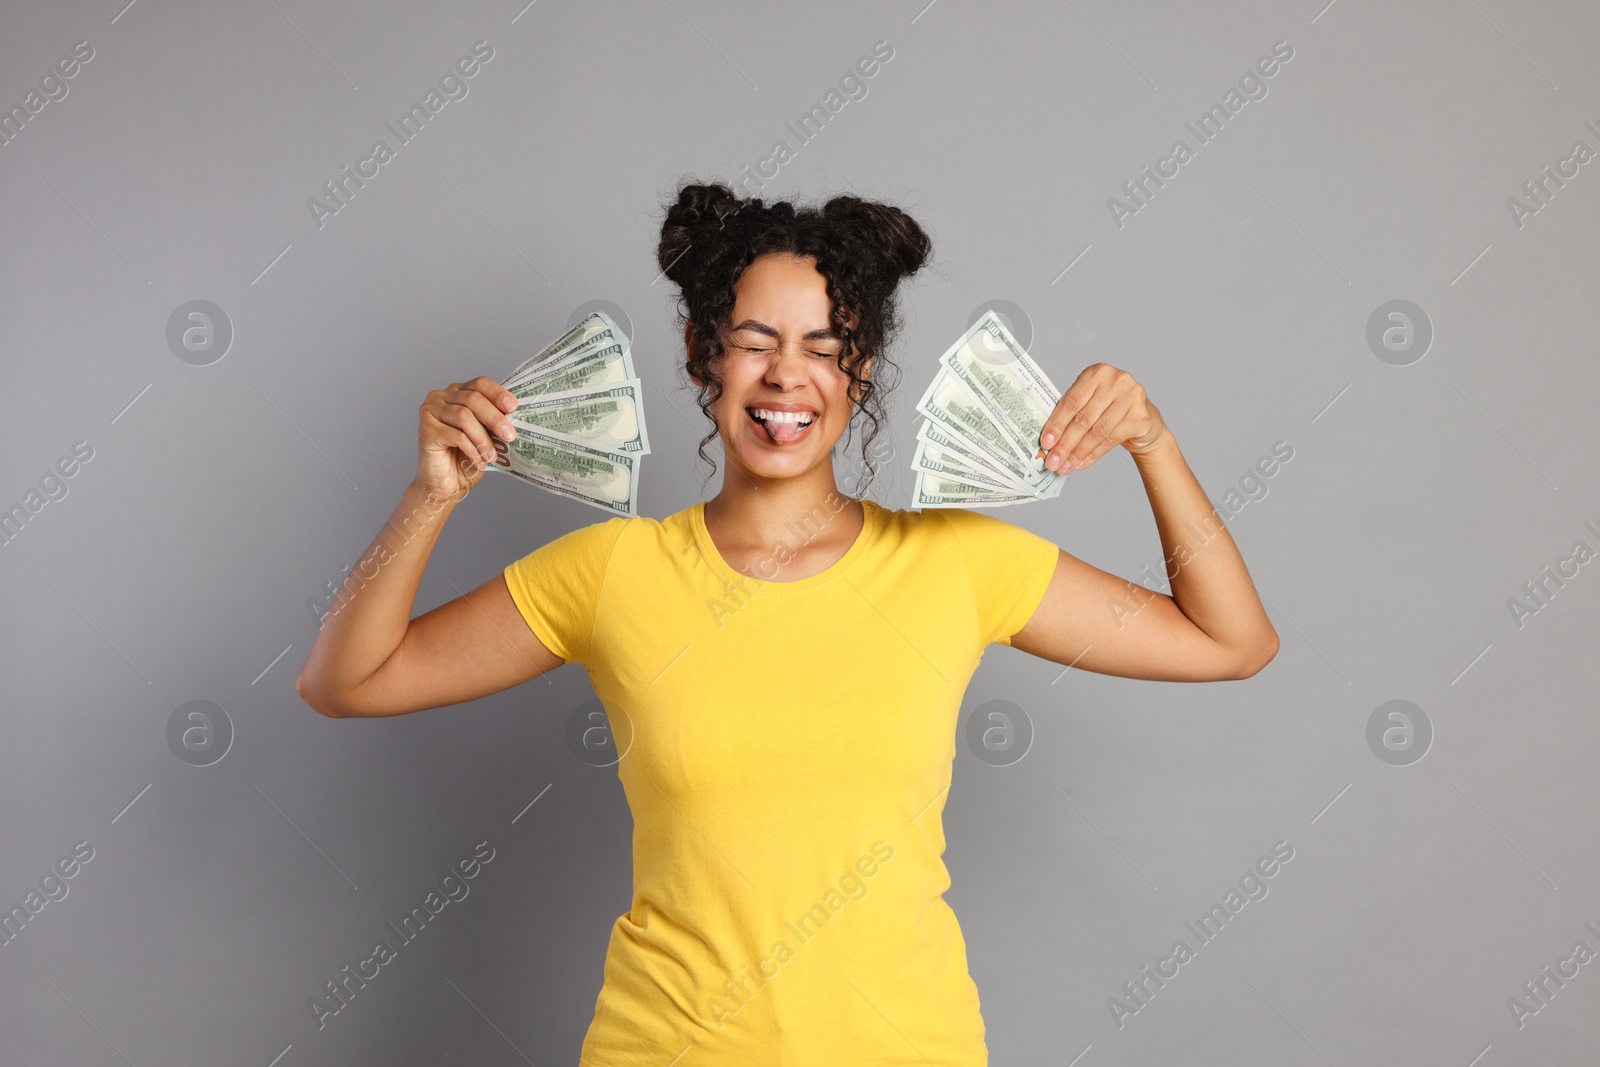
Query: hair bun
point(899, 243)
point(699, 208)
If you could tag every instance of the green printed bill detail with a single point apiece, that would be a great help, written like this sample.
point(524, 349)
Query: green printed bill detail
point(596, 324)
point(952, 466)
point(933, 491)
point(595, 476)
point(960, 449)
point(579, 419)
point(1006, 383)
point(982, 416)
point(590, 369)
point(610, 417)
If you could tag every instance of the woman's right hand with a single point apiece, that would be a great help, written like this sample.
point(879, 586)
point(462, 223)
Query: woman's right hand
point(458, 425)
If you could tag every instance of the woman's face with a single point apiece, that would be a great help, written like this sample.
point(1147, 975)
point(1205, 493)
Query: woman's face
point(785, 402)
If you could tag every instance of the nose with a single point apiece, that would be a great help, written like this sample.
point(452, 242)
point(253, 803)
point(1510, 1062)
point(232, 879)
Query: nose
point(786, 367)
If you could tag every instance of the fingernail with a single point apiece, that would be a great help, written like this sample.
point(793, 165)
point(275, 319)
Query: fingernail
point(1052, 461)
point(1048, 439)
point(507, 431)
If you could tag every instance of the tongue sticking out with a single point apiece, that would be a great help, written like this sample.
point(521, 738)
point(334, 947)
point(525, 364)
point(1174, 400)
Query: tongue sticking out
point(783, 431)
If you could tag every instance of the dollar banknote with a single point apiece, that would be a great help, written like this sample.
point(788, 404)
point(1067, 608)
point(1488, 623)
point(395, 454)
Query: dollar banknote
point(611, 416)
point(933, 491)
point(596, 324)
point(936, 433)
point(950, 465)
point(590, 368)
point(978, 445)
point(596, 476)
point(579, 419)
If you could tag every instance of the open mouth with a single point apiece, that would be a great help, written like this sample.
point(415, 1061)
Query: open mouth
point(781, 427)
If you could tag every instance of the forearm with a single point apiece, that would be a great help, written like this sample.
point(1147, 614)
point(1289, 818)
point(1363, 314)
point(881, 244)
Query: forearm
point(1210, 583)
point(372, 611)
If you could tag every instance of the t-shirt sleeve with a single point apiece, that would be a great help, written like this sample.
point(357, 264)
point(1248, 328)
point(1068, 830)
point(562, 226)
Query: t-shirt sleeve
point(557, 586)
point(1009, 568)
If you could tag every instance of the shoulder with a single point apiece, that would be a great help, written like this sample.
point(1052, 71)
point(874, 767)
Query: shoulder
point(939, 522)
point(643, 539)
point(906, 518)
point(637, 536)
point(604, 533)
point(586, 547)
point(623, 527)
point(982, 534)
point(902, 529)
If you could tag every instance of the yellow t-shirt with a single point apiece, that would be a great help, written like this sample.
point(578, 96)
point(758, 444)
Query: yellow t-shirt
point(788, 751)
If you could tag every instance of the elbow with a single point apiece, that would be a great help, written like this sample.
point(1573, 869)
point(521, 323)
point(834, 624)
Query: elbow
point(1260, 656)
point(314, 697)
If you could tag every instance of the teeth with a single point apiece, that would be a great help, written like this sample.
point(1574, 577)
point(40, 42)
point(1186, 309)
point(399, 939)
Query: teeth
point(801, 417)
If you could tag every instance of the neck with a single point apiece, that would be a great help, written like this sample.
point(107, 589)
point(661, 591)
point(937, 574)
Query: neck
point(756, 512)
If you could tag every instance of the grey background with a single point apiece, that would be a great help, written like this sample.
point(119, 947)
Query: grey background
point(220, 499)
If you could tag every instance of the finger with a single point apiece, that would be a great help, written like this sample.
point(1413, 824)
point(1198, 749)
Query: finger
point(1078, 426)
point(483, 407)
point(467, 457)
point(1110, 430)
point(438, 437)
point(462, 418)
point(1074, 398)
point(501, 397)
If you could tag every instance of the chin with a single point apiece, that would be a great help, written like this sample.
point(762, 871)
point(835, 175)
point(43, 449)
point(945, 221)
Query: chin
point(763, 458)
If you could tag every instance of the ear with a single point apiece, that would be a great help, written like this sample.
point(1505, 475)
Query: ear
point(688, 346)
point(864, 369)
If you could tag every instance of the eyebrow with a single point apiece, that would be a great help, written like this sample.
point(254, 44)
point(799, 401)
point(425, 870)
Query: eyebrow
point(763, 328)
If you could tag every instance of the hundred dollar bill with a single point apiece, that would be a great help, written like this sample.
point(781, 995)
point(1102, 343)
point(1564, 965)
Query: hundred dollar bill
point(599, 367)
point(595, 476)
point(933, 491)
point(604, 339)
point(611, 417)
point(956, 410)
point(945, 438)
point(606, 335)
point(592, 326)
point(950, 466)
point(938, 434)
point(1008, 384)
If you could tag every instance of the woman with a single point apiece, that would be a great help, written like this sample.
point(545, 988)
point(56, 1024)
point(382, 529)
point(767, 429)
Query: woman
point(785, 664)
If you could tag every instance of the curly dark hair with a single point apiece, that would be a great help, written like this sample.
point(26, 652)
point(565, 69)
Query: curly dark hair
point(862, 249)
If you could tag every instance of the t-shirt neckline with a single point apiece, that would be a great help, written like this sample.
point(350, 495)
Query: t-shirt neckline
point(713, 557)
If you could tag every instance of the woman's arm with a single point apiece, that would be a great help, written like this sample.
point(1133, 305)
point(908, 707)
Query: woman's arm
point(1212, 626)
point(370, 657)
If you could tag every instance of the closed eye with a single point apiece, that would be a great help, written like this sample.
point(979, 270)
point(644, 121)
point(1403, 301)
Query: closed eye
point(768, 350)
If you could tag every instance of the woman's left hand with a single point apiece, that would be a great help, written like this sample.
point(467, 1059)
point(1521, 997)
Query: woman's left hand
point(1104, 408)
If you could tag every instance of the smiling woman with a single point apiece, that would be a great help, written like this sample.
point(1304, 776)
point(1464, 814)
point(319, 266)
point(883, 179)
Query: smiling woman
point(809, 715)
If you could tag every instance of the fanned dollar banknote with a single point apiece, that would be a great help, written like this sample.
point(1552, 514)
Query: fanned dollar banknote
point(579, 419)
point(978, 443)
